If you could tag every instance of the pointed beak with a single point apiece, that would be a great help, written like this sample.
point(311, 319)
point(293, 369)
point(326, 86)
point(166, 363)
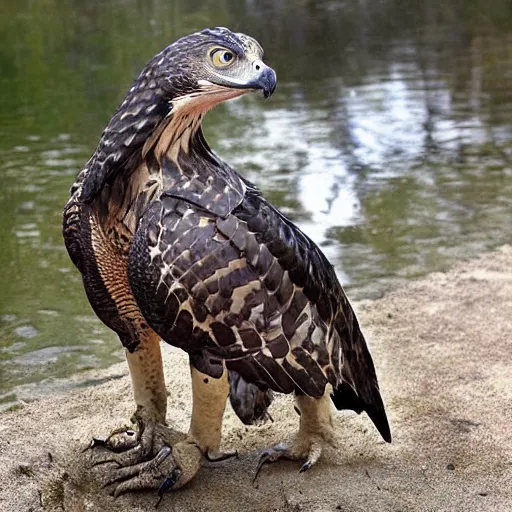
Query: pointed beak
point(264, 79)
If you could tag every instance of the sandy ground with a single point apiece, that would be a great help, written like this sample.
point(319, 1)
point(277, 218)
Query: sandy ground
point(442, 347)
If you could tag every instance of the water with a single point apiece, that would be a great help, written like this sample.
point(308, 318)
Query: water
point(388, 141)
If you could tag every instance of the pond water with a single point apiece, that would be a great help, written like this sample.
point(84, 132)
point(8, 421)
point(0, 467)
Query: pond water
point(388, 141)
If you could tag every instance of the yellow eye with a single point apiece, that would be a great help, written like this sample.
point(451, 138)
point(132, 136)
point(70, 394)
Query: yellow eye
point(221, 58)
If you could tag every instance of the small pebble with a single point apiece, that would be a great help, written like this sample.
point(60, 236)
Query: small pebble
point(450, 467)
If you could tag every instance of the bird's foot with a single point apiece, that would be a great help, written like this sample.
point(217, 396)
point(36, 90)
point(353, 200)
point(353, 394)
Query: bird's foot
point(306, 448)
point(146, 457)
point(170, 468)
point(143, 457)
point(126, 446)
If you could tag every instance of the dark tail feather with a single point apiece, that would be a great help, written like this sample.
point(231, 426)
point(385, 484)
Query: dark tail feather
point(344, 397)
point(248, 401)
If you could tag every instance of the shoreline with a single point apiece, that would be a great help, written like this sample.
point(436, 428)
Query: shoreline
point(441, 346)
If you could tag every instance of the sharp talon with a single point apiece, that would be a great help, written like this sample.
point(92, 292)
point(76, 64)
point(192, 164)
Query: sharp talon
point(161, 456)
point(269, 456)
point(107, 442)
point(263, 460)
point(266, 458)
point(219, 457)
point(258, 469)
point(168, 484)
point(94, 443)
point(307, 465)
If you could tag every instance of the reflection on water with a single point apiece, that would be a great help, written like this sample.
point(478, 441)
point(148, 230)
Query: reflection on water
point(388, 141)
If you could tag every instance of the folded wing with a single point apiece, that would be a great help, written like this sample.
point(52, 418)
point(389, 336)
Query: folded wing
point(252, 290)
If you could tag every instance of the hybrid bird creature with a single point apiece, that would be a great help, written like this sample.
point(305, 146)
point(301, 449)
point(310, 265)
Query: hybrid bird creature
point(173, 244)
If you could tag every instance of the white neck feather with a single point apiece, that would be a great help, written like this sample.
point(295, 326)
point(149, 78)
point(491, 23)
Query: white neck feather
point(186, 116)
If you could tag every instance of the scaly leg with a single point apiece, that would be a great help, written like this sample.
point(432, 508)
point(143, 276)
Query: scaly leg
point(173, 467)
point(147, 373)
point(316, 429)
point(126, 446)
point(209, 403)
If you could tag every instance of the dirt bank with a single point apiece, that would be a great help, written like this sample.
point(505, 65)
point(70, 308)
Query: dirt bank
point(442, 347)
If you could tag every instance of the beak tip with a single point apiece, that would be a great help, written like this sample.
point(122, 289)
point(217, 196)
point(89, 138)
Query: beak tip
point(270, 83)
point(265, 82)
point(268, 92)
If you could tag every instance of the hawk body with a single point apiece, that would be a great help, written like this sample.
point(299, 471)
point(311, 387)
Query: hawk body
point(250, 289)
point(173, 243)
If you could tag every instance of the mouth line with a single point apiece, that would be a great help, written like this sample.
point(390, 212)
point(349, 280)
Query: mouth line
point(206, 98)
point(223, 91)
point(252, 88)
point(265, 81)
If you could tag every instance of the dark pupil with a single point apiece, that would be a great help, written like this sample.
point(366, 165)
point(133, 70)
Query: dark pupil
point(227, 57)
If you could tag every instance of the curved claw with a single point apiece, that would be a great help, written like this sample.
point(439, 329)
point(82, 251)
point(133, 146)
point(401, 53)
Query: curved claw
point(307, 465)
point(269, 456)
point(168, 484)
point(95, 442)
point(126, 441)
point(164, 452)
point(311, 452)
point(127, 447)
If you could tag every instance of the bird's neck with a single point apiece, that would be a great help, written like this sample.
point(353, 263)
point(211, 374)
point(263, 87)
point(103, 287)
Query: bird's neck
point(178, 134)
point(181, 136)
point(187, 168)
point(182, 151)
